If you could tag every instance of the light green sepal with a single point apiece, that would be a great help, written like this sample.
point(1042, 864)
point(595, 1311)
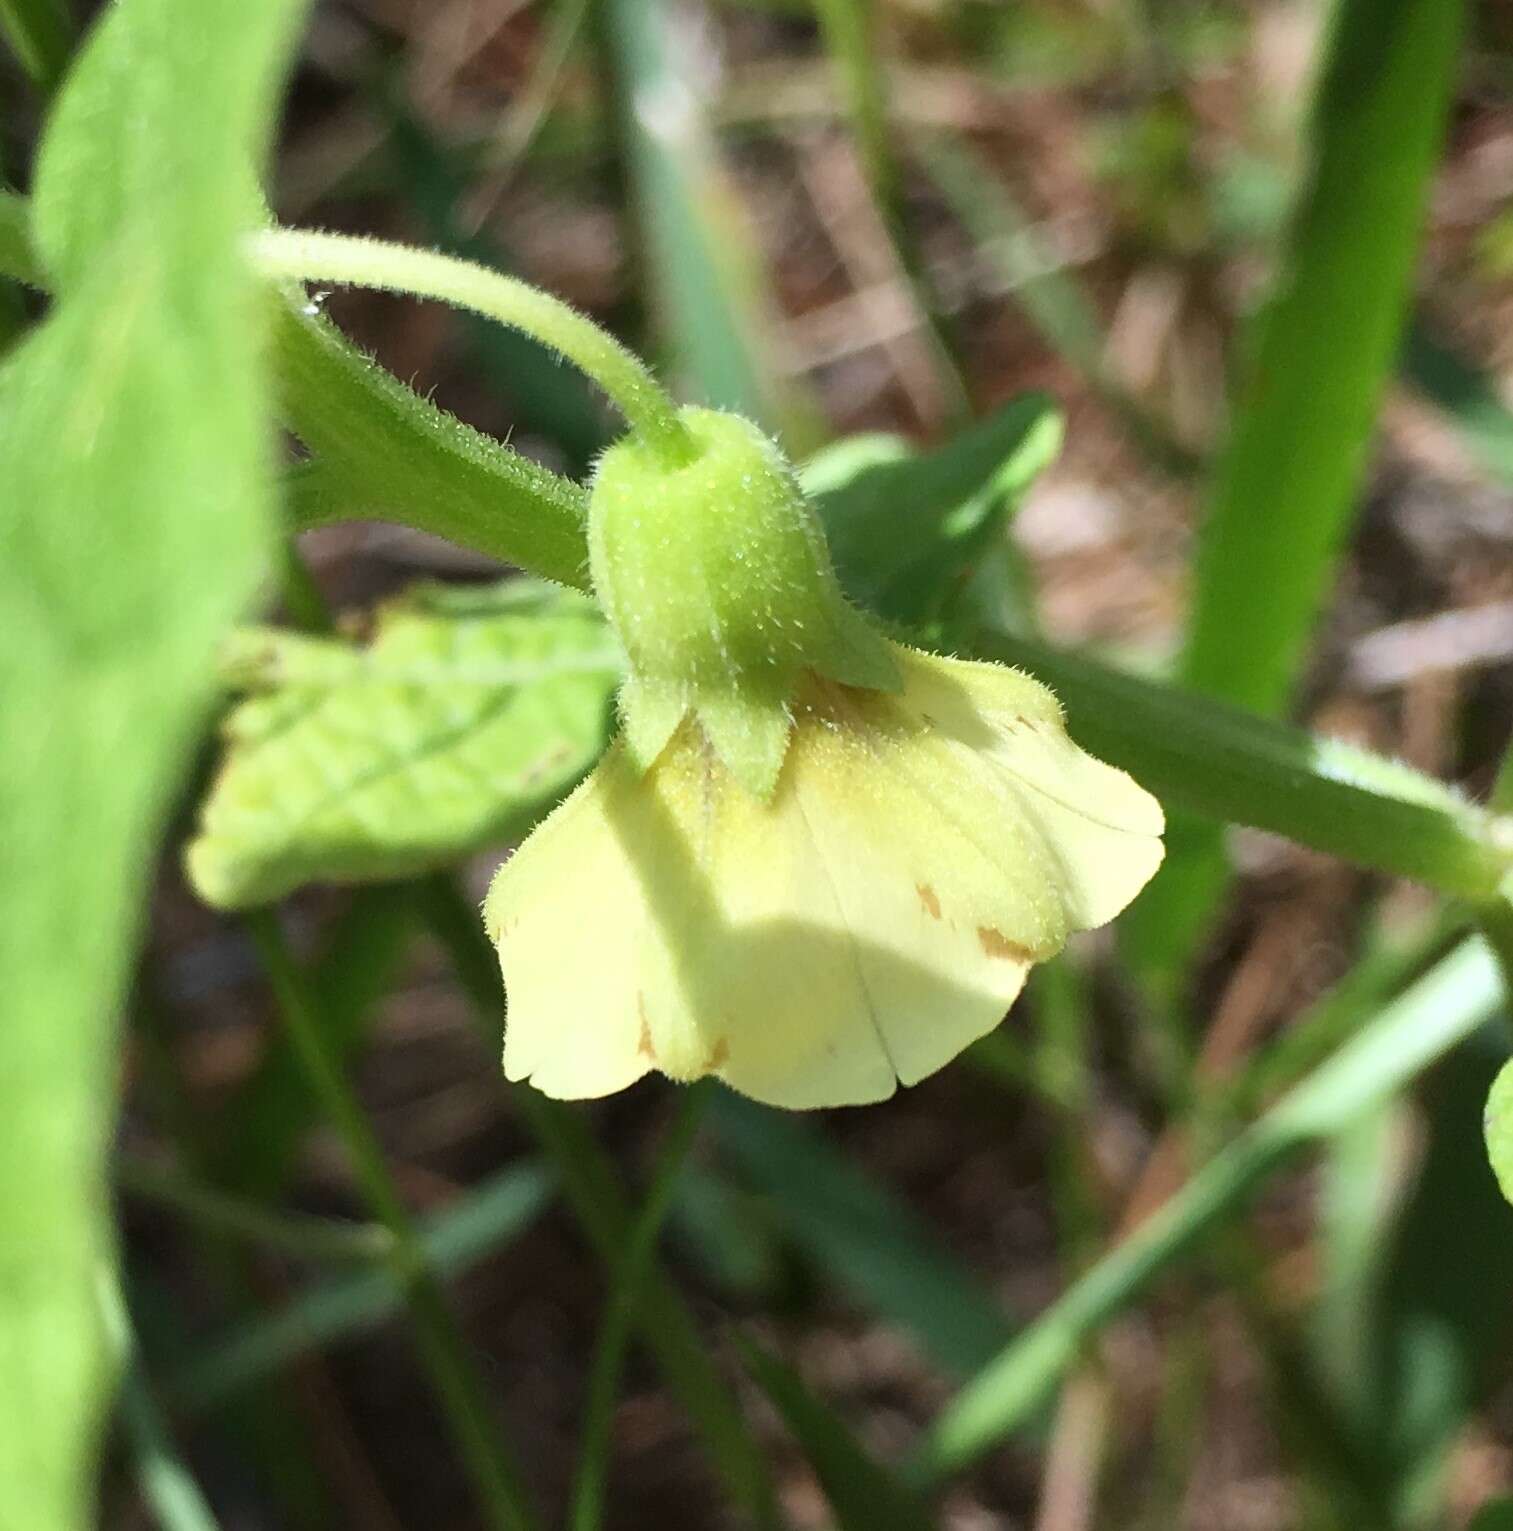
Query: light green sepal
point(749, 731)
point(860, 655)
point(650, 711)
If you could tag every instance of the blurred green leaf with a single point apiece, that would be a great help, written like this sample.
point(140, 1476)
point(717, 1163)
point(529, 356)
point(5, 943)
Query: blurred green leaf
point(466, 716)
point(137, 521)
point(1498, 1125)
point(907, 528)
point(863, 1494)
point(1494, 1515)
point(872, 1245)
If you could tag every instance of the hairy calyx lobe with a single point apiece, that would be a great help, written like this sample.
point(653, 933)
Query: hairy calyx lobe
point(715, 574)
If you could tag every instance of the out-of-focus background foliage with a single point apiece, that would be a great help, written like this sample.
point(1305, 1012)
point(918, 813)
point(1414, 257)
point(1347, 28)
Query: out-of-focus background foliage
point(844, 217)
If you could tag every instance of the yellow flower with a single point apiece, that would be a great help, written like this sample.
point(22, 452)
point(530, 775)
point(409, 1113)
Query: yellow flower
point(857, 927)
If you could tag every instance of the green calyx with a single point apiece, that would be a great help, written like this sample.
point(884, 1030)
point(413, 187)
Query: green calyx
point(716, 576)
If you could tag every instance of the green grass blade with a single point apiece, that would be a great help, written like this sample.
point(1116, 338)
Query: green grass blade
point(625, 1297)
point(304, 1236)
point(264, 1124)
point(868, 1242)
point(1048, 295)
point(167, 1487)
point(117, 429)
point(701, 260)
point(597, 1196)
point(449, 1364)
point(1439, 1011)
point(477, 1225)
point(1285, 488)
point(40, 35)
point(863, 1494)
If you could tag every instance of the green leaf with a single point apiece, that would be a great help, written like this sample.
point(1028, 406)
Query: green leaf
point(1497, 1121)
point(463, 719)
point(906, 528)
point(137, 521)
point(863, 1494)
point(1494, 1515)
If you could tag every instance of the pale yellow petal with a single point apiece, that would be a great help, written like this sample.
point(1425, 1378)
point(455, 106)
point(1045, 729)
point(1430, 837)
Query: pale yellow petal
point(876, 916)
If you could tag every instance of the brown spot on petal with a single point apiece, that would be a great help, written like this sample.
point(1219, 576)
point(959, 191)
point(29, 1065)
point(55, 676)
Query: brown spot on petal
point(645, 1048)
point(718, 1054)
point(928, 901)
point(996, 944)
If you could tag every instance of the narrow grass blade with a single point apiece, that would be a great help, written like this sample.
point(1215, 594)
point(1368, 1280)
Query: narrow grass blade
point(304, 1236)
point(862, 1493)
point(1285, 487)
point(448, 1363)
point(594, 1191)
point(1034, 277)
point(476, 1226)
point(40, 35)
point(167, 1486)
point(866, 1241)
point(700, 255)
point(624, 1300)
point(1439, 1011)
point(266, 1121)
point(1284, 494)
